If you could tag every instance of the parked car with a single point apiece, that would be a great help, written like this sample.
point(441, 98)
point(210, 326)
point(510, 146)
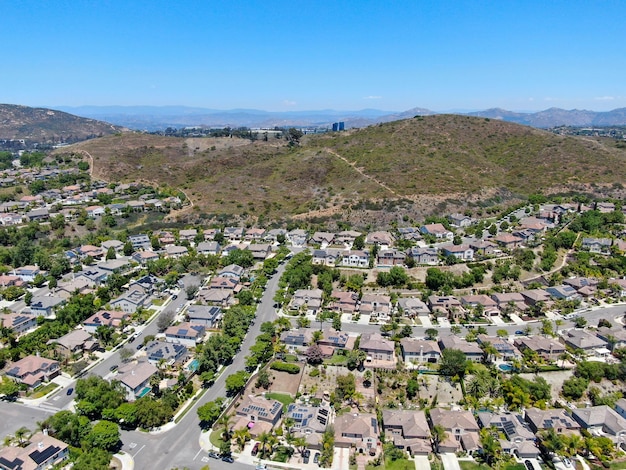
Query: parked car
point(139, 346)
point(70, 391)
point(255, 449)
point(316, 457)
point(213, 455)
point(113, 368)
point(567, 462)
point(228, 459)
point(305, 459)
point(519, 332)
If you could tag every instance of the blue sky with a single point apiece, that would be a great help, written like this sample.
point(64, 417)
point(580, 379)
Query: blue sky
point(297, 55)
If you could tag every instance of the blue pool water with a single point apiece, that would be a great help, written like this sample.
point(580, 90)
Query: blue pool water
point(505, 367)
point(193, 365)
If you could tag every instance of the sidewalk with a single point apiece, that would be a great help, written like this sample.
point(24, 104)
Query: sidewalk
point(127, 461)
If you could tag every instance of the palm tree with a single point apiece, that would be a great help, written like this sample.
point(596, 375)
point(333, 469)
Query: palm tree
point(300, 443)
point(491, 446)
point(267, 442)
point(438, 434)
point(288, 424)
point(225, 422)
point(573, 445)
point(21, 434)
point(241, 435)
point(563, 357)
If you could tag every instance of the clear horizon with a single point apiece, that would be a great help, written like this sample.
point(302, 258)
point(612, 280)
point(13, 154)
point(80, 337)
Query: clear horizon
point(292, 56)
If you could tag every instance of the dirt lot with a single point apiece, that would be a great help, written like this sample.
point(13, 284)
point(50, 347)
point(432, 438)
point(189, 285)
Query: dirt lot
point(326, 381)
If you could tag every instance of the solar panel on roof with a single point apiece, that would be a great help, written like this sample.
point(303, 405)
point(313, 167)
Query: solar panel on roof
point(40, 457)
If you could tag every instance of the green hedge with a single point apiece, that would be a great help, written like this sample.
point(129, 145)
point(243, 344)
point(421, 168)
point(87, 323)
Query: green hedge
point(284, 367)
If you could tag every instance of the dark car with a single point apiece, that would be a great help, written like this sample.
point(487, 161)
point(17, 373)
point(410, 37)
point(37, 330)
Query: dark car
point(519, 332)
point(175, 296)
point(228, 458)
point(213, 455)
point(316, 457)
point(113, 368)
point(306, 453)
point(305, 459)
point(139, 346)
point(255, 449)
point(70, 391)
point(529, 465)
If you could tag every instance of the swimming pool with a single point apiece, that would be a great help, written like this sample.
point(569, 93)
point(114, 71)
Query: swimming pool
point(505, 367)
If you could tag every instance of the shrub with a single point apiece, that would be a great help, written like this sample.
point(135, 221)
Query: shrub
point(285, 367)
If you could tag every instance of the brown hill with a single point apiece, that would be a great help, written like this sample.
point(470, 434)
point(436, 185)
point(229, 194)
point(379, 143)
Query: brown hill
point(368, 175)
point(49, 126)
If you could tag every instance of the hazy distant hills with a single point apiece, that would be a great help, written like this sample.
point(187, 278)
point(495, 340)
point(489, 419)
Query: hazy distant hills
point(46, 125)
point(153, 118)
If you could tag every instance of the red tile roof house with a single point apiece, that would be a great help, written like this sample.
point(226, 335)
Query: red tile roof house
point(409, 430)
point(42, 451)
point(377, 306)
point(258, 414)
point(380, 351)
point(508, 241)
point(490, 307)
point(33, 370)
point(359, 430)
point(344, 302)
point(104, 317)
point(461, 428)
point(462, 252)
point(437, 230)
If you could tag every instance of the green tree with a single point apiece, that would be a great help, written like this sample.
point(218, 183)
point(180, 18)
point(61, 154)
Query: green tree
point(236, 382)
point(209, 412)
point(431, 333)
point(453, 363)
point(104, 435)
point(93, 459)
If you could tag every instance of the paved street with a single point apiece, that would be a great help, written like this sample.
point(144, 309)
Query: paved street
point(14, 415)
point(180, 446)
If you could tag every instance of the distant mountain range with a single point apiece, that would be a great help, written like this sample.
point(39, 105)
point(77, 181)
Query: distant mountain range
point(152, 118)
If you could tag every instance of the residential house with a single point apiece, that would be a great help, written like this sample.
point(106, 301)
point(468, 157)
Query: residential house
point(482, 301)
point(322, 238)
point(94, 275)
point(19, 323)
point(419, 351)
point(460, 220)
point(219, 297)
point(299, 337)
point(117, 266)
point(93, 212)
point(601, 421)
point(232, 270)
point(461, 428)
point(148, 284)
point(380, 351)
point(425, 256)
point(165, 352)
point(597, 245)
point(112, 318)
point(117, 245)
point(585, 286)
point(533, 224)
point(309, 299)
point(382, 239)
point(137, 206)
point(483, 248)
point(327, 257)
point(210, 233)
point(260, 251)
point(38, 215)
point(582, 340)
point(274, 234)
point(520, 440)
point(548, 349)
point(509, 301)
point(346, 237)
point(33, 370)
point(258, 414)
point(376, 305)
point(297, 237)
point(140, 242)
point(208, 316)
point(175, 251)
point(45, 306)
point(7, 280)
point(413, 307)
point(310, 422)
point(355, 259)
point(254, 234)
point(95, 252)
point(234, 234)
point(508, 241)
point(605, 207)
point(219, 282)
point(438, 231)
point(446, 306)
point(27, 273)
point(471, 350)
point(408, 430)
point(186, 333)
point(135, 379)
point(615, 337)
point(563, 292)
point(130, 301)
point(556, 419)
point(144, 257)
point(358, 430)
point(335, 339)
point(505, 350)
point(75, 342)
point(208, 248)
point(461, 252)
point(535, 297)
point(43, 451)
point(410, 233)
point(187, 235)
point(390, 258)
point(344, 302)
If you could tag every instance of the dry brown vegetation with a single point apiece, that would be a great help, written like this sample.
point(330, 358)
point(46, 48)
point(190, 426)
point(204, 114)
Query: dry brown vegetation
point(368, 176)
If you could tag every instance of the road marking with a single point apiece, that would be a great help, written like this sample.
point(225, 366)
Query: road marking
point(135, 455)
point(198, 453)
point(204, 459)
point(132, 445)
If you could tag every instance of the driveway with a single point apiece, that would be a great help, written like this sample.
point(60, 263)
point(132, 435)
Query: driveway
point(421, 462)
point(450, 462)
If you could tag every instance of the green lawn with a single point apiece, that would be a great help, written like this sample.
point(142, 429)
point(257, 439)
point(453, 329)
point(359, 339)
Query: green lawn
point(216, 438)
point(618, 465)
point(336, 360)
point(400, 464)
point(469, 465)
point(43, 390)
point(285, 399)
